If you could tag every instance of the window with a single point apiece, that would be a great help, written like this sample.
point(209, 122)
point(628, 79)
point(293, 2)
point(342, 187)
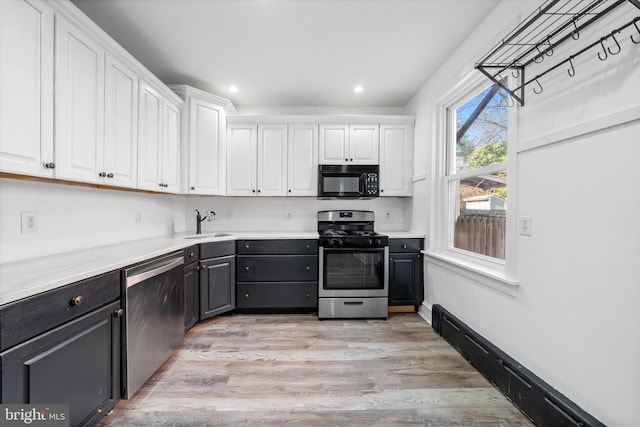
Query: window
point(476, 173)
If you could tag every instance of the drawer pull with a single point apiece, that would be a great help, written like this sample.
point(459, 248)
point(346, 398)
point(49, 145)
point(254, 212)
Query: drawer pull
point(308, 268)
point(354, 303)
point(246, 268)
point(307, 295)
point(404, 246)
point(119, 312)
point(76, 300)
point(246, 246)
point(246, 296)
point(191, 255)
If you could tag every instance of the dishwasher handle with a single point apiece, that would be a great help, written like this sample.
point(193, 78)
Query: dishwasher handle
point(151, 269)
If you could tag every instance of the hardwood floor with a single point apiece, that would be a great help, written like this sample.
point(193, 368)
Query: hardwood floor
point(280, 370)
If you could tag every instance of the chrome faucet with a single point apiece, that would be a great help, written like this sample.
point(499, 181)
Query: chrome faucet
point(209, 217)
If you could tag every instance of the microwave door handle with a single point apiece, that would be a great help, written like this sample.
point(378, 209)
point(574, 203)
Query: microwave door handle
point(363, 183)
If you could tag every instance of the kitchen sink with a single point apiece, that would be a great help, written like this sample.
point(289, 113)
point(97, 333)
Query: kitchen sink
point(201, 236)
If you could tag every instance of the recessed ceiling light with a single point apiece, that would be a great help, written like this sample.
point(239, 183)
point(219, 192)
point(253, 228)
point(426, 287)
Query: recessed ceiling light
point(358, 89)
point(233, 89)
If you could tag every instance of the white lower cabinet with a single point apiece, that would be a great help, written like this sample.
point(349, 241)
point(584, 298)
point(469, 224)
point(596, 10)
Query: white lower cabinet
point(158, 141)
point(26, 88)
point(396, 159)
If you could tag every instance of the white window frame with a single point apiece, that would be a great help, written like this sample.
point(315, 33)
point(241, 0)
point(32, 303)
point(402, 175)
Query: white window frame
point(493, 272)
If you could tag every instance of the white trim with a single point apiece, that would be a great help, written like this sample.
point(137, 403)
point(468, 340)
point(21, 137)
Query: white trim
point(485, 170)
point(419, 178)
point(593, 125)
point(493, 279)
point(321, 119)
point(426, 312)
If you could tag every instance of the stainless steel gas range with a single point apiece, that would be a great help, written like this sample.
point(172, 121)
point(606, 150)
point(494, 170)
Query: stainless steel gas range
point(353, 277)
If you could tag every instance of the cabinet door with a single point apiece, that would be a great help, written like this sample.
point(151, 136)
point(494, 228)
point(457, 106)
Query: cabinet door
point(80, 104)
point(364, 144)
point(242, 159)
point(170, 151)
point(334, 144)
point(26, 85)
point(77, 364)
point(206, 148)
point(396, 160)
point(272, 160)
point(191, 296)
point(405, 279)
point(149, 134)
point(303, 160)
point(121, 125)
point(217, 286)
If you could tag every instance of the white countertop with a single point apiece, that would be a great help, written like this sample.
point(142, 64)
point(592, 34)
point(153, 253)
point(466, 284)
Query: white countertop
point(30, 277)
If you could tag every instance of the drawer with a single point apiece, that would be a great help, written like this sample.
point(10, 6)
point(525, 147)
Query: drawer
point(217, 249)
point(31, 316)
point(191, 254)
point(277, 295)
point(276, 268)
point(406, 245)
point(275, 247)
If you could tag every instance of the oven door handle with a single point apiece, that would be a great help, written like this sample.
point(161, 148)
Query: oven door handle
point(325, 249)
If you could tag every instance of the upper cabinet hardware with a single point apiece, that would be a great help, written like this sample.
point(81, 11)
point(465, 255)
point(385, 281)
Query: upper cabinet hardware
point(547, 27)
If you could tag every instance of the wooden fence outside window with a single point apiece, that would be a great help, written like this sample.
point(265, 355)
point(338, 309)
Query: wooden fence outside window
point(482, 233)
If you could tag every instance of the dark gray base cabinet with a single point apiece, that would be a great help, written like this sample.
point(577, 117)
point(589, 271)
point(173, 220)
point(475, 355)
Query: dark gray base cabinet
point(77, 364)
point(406, 272)
point(217, 275)
point(277, 276)
point(191, 287)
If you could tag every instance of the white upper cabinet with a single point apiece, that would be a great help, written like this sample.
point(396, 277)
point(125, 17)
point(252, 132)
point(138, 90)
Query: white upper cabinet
point(363, 144)
point(242, 159)
point(26, 88)
point(396, 159)
point(256, 160)
point(349, 144)
point(272, 160)
point(158, 141)
point(79, 68)
point(204, 141)
point(121, 125)
point(303, 160)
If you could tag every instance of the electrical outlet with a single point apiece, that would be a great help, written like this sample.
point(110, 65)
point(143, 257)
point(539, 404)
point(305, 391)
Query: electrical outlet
point(29, 222)
point(288, 215)
point(138, 217)
point(229, 214)
point(387, 216)
point(526, 225)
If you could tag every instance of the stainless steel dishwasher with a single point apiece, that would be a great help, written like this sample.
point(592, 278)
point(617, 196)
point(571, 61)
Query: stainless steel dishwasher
point(154, 318)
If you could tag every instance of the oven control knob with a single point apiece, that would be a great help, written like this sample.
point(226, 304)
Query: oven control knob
point(370, 242)
point(340, 242)
point(331, 242)
point(379, 242)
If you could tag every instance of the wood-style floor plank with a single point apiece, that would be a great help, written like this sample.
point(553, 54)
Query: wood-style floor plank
point(281, 370)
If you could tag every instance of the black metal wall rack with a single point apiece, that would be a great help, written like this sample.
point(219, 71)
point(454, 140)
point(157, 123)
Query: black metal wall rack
point(535, 39)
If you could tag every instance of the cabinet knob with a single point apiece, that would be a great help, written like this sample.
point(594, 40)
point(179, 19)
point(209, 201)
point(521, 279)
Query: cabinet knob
point(308, 246)
point(49, 165)
point(382, 190)
point(118, 313)
point(193, 188)
point(351, 160)
point(307, 295)
point(253, 191)
point(289, 190)
point(308, 268)
point(259, 191)
point(246, 246)
point(102, 174)
point(404, 246)
point(191, 254)
point(110, 175)
point(346, 160)
point(76, 300)
point(246, 295)
point(246, 268)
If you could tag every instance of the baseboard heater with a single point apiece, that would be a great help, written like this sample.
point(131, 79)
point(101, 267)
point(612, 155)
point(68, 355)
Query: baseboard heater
point(544, 405)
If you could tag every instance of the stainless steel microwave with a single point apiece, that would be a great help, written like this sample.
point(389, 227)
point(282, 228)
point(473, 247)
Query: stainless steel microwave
point(348, 181)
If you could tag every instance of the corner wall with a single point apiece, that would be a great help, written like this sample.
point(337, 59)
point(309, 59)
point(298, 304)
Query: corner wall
point(574, 320)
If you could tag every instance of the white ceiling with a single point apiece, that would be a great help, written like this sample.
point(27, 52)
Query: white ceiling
point(302, 53)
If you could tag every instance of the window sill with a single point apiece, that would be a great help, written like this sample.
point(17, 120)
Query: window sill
point(491, 278)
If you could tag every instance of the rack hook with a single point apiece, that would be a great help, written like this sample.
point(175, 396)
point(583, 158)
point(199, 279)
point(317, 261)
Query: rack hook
point(603, 51)
point(515, 73)
point(572, 70)
point(539, 56)
point(575, 34)
point(538, 92)
point(549, 51)
point(635, 24)
point(613, 36)
point(510, 101)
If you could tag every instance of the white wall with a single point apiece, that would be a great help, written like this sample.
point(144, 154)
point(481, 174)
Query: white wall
point(74, 218)
point(574, 321)
point(270, 213)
